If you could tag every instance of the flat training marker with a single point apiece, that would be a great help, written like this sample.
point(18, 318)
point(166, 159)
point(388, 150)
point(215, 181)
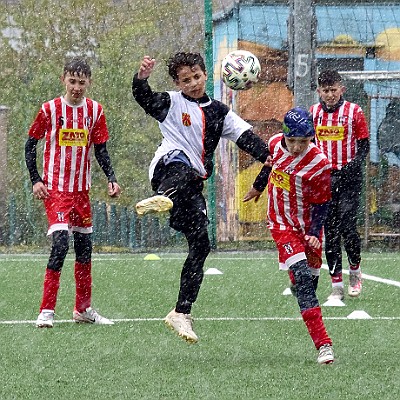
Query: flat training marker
point(213, 271)
point(359, 314)
point(287, 292)
point(334, 303)
point(151, 257)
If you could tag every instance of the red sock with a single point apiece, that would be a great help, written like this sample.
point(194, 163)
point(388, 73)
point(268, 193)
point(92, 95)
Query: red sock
point(337, 278)
point(315, 325)
point(291, 277)
point(50, 289)
point(83, 282)
point(355, 267)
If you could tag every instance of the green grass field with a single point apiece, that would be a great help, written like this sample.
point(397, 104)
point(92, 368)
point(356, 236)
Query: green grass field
point(253, 345)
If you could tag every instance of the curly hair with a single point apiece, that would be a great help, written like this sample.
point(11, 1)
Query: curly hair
point(183, 59)
point(329, 77)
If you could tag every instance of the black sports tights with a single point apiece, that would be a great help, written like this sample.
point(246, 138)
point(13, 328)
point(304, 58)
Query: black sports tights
point(305, 291)
point(192, 271)
point(59, 249)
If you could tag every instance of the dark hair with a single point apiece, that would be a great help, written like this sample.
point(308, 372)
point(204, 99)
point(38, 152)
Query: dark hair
point(329, 77)
point(77, 66)
point(184, 59)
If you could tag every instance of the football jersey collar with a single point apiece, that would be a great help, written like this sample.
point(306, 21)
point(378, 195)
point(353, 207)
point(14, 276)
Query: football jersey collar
point(202, 101)
point(334, 108)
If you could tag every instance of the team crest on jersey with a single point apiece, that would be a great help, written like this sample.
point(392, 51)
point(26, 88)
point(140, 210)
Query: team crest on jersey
point(186, 119)
point(87, 220)
point(288, 248)
point(88, 122)
point(60, 216)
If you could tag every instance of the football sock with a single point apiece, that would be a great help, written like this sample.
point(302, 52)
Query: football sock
point(315, 325)
point(291, 277)
point(337, 280)
point(355, 269)
point(83, 282)
point(50, 289)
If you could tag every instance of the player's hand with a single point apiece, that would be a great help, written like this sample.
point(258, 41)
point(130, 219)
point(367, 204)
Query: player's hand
point(39, 190)
point(313, 241)
point(268, 162)
point(114, 189)
point(252, 194)
point(146, 67)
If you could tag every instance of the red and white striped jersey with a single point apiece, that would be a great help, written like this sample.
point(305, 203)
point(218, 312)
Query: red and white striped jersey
point(70, 132)
point(336, 133)
point(294, 184)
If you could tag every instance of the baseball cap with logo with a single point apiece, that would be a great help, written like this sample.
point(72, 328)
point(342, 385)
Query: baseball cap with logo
point(298, 123)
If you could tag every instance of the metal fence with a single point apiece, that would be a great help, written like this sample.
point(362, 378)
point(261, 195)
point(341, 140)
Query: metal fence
point(113, 226)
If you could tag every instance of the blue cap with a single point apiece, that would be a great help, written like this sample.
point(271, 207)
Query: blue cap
point(298, 123)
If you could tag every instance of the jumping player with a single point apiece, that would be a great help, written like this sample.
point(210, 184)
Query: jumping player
point(342, 134)
point(298, 197)
point(191, 124)
point(71, 126)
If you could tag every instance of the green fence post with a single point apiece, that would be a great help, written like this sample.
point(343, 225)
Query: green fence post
point(208, 49)
point(102, 229)
point(133, 244)
point(144, 231)
point(12, 220)
point(123, 220)
point(95, 222)
point(112, 226)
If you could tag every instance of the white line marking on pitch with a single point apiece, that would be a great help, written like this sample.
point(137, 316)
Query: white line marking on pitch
point(64, 321)
point(370, 277)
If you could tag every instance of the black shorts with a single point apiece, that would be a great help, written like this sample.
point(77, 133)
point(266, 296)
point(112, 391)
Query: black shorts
point(189, 211)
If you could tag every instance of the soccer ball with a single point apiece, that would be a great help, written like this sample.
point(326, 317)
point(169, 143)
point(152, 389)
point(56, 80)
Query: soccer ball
point(240, 69)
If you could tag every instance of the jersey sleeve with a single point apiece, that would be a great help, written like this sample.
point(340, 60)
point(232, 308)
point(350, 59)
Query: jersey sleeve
point(156, 104)
point(234, 126)
point(100, 131)
point(39, 125)
point(361, 130)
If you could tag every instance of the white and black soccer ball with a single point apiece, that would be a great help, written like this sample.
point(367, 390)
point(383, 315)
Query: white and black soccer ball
point(240, 69)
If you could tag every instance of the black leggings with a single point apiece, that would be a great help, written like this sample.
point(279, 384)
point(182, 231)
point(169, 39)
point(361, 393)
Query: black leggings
point(189, 216)
point(60, 246)
point(342, 222)
point(305, 290)
point(192, 272)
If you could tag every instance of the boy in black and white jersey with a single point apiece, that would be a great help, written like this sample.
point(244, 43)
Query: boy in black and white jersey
point(191, 124)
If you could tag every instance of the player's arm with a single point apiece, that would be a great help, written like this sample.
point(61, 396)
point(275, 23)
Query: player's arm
point(319, 213)
point(103, 158)
point(318, 217)
point(259, 185)
point(253, 145)
point(256, 147)
point(39, 189)
point(30, 160)
point(362, 150)
point(156, 104)
point(354, 166)
point(362, 133)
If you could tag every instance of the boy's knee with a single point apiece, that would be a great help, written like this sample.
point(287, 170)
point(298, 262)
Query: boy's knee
point(59, 250)
point(83, 247)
